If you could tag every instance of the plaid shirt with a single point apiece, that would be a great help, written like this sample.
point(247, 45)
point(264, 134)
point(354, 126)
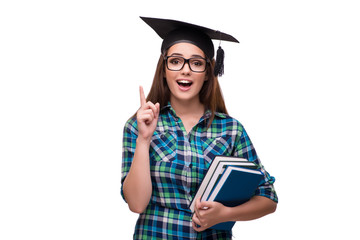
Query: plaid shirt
point(178, 163)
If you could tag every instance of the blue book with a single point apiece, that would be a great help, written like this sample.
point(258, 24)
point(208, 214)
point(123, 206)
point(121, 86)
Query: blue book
point(236, 186)
point(214, 172)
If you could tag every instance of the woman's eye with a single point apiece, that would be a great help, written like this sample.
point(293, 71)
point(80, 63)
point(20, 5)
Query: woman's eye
point(175, 61)
point(197, 63)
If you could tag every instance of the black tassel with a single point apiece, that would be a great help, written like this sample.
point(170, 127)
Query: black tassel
point(219, 64)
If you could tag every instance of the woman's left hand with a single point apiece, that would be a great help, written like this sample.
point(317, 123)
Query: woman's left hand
point(208, 214)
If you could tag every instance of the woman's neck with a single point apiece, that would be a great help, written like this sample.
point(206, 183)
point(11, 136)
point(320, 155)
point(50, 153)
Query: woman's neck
point(189, 112)
point(190, 107)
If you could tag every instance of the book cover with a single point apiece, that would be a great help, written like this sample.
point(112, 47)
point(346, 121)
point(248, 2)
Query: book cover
point(218, 173)
point(236, 186)
point(215, 170)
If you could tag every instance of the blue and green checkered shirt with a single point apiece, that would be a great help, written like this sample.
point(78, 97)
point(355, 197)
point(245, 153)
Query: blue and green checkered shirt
point(178, 163)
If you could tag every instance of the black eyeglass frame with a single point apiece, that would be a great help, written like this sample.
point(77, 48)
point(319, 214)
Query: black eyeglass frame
point(186, 61)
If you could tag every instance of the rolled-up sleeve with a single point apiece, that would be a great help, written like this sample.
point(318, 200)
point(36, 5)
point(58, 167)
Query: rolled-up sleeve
point(128, 149)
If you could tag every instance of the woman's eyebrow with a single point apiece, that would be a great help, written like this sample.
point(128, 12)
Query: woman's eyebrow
point(193, 56)
point(176, 54)
point(197, 56)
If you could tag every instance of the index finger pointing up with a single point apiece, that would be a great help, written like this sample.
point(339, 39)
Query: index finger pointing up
point(142, 97)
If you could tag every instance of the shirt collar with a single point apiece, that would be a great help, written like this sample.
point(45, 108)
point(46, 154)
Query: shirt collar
point(206, 115)
point(217, 114)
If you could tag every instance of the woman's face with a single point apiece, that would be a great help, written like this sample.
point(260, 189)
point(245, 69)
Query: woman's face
point(185, 84)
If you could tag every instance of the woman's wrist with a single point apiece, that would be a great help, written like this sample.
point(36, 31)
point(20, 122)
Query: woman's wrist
point(227, 214)
point(143, 141)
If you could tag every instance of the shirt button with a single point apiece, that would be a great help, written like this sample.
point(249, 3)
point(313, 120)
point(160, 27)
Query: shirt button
point(190, 165)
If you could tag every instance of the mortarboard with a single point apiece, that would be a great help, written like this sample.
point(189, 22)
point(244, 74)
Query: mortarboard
point(172, 32)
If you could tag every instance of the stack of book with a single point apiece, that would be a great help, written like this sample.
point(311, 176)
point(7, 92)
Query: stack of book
point(231, 181)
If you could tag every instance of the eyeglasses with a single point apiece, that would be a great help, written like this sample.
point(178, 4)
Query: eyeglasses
point(176, 63)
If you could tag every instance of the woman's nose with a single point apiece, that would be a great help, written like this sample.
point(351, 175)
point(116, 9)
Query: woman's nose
point(186, 68)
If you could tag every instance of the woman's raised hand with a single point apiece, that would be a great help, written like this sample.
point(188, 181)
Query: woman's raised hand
point(147, 117)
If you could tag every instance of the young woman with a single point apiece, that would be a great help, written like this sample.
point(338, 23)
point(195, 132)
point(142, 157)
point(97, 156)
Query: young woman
point(177, 131)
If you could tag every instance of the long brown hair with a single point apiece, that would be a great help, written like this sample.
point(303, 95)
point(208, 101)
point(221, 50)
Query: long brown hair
point(210, 94)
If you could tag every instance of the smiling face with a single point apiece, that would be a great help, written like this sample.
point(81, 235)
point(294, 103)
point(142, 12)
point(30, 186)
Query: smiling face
point(185, 84)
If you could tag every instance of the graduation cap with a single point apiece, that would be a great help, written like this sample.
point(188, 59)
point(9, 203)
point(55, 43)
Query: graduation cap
point(172, 32)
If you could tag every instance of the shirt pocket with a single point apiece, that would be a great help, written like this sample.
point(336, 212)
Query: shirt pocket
point(220, 145)
point(163, 146)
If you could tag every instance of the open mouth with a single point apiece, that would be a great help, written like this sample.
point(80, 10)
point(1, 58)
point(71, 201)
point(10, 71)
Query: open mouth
point(184, 83)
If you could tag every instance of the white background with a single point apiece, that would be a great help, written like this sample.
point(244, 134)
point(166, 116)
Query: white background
point(69, 77)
